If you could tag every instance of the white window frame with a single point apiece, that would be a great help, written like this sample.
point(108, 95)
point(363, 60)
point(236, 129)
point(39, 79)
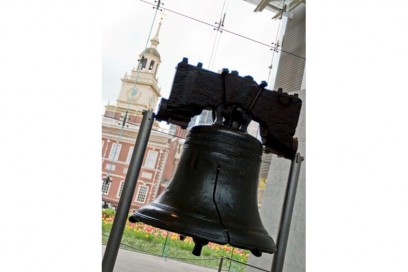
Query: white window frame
point(140, 193)
point(115, 151)
point(108, 186)
point(151, 159)
point(120, 189)
point(146, 175)
point(129, 156)
point(110, 167)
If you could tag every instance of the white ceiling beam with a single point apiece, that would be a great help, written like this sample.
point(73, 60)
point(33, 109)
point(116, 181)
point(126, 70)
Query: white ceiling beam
point(262, 5)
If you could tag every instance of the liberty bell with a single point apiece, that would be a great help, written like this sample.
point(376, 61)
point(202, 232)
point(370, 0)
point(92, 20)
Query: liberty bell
point(213, 195)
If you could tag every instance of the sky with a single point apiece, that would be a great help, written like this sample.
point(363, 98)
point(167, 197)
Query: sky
point(128, 22)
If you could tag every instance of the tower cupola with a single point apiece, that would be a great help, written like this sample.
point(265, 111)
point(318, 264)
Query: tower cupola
point(149, 59)
point(140, 90)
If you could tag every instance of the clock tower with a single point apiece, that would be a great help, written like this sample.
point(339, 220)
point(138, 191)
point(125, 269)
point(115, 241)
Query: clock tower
point(120, 127)
point(140, 89)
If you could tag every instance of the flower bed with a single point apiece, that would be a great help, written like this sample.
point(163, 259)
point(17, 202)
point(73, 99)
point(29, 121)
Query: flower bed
point(151, 240)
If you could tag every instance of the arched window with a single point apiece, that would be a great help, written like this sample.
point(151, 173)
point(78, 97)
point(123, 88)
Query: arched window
point(151, 65)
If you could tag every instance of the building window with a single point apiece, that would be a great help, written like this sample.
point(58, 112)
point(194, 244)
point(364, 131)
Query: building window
point(129, 156)
point(115, 151)
point(147, 175)
point(151, 65)
point(151, 159)
point(105, 187)
point(125, 170)
point(120, 189)
point(141, 194)
point(110, 167)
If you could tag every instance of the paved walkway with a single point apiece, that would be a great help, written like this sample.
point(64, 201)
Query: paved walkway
point(130, 261)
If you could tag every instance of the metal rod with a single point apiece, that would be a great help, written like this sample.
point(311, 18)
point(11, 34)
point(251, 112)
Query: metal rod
point(115, 237)
point(232, 255)
point(165, 244)
point(287, 211)
point(220, 267)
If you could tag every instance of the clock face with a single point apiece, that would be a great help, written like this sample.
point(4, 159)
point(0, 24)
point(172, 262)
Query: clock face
point(133, 93)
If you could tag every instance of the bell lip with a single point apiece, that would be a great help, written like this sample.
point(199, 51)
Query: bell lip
point(263, 247)
point(179, 229)
point(132, 219)
point(260, 238)
point(166, 226)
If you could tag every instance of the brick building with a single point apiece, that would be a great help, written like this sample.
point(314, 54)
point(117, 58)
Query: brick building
point(120, 127)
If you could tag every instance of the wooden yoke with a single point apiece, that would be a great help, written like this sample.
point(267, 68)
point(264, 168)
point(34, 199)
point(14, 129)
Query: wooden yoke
point(235, 102)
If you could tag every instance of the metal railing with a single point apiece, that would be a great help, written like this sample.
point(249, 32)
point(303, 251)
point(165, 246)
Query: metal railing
point(229, 262)
point(223, 263)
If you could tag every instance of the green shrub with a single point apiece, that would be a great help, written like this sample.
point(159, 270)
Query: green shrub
point(108, 213)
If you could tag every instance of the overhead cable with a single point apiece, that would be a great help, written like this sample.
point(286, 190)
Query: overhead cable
point(226, 30)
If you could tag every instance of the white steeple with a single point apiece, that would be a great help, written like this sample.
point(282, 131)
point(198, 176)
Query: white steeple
point(155, 40)
point(149, 59)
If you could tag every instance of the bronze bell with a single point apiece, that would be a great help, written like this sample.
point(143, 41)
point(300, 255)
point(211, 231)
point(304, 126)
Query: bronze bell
point(213, 195)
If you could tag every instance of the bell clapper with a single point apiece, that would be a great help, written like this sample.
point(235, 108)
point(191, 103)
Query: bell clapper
point(198, 246)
